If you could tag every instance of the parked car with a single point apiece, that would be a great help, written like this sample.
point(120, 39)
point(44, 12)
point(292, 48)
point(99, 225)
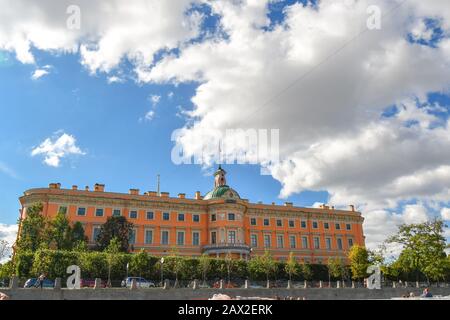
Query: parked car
point(226, 285)
point(89, 283)
point(140, 282)
point(32, 281)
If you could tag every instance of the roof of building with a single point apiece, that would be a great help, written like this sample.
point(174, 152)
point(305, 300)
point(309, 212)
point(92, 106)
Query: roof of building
point(222, 192)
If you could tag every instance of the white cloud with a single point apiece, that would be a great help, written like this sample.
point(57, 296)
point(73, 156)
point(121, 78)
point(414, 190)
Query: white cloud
point(154, 99)
point(56, 148)
point(149, 115)
point(40, 72)
point(115, 79)
point(445, 214)
point(8, 233)
point(108, 33)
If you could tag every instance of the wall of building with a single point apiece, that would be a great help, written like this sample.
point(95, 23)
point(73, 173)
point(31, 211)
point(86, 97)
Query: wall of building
point(54, 198)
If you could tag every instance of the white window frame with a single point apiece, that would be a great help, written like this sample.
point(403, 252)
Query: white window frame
point(145, 235)
point(168, 237)
point(199, 238)
point(184, 237)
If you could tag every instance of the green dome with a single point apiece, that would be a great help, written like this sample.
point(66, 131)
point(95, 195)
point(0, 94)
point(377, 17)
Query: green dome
point(221, 192)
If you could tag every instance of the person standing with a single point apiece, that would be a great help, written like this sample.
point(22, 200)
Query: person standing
point(40, 281)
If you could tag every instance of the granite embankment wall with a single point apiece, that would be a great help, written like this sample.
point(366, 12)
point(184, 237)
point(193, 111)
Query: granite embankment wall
point(189, 294)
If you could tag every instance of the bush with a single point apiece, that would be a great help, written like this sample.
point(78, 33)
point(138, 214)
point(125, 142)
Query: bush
point(24, 263)
point(53, 262)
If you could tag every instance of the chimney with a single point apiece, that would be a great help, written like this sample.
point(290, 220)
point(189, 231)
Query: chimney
point(288, 204)
point(151, 193)
point(134, 192)
point(54, 185)
point(181, 195)
point(198, 195)
point(352, 207)
point(99, 187)
point(164, 194)
point(86, 188)
point(74, 187)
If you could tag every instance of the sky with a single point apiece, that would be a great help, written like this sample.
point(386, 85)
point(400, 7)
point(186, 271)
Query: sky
point(359, 92)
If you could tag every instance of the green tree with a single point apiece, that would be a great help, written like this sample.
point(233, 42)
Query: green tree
point(140, 263)
point(264, 264)
point(307, 271)
point(78, 235)
point(423, 248)
point(112, 255)
point(33, 229)
point(291, 267)
point(335, 268)
point(204, 265)
point(115, 227)
point(359, 261)
point(60, 233)
point(6, 270)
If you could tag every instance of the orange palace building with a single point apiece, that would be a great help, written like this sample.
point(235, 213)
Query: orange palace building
point(216, 224)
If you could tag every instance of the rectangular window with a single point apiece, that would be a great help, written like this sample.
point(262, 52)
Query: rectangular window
point(116, 213)
point(316, 243)
point(213, 237)
point(328, 243)
point(148, 236)
point(196, 218)
point(266, 222)
point(180, 238)
point(279, 223)
point(181, 217)
point(96, 232)
point(348, 226)
point(315, 225)
point(291, 223)
point(231, 236)
point(165, 237)
point(133, 214)
point(267, 241)
point(303, 224)
point(254, 240)
point(253, 221)
point(81, 211)
point(350, 243)
point(337, 226)
point(99, 212)
point(62, 210)
point(305, 242)
point(339, 243)
point(326, 225)
point(196, 239)
point(132, 237)
point(280, 241)
point(231, 217)
point(213, 217)
point(292, 242)
point(166, 216)
point(150, 215)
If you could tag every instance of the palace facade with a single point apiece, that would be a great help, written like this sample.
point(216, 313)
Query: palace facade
point(218, 223)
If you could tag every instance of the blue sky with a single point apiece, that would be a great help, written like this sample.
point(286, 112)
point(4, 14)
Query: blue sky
point(362, 120)
point(121, 151)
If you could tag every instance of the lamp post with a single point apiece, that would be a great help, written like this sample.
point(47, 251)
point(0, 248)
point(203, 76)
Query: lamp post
point(162, 272)
point(128, 265)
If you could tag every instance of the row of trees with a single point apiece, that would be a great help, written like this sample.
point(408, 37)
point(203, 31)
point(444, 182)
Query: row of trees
point(422, 257)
